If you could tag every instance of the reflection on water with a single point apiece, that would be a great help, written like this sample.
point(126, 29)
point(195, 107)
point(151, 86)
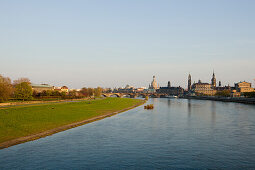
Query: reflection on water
point(189, 107)
point(177, 133)
point(213, 111)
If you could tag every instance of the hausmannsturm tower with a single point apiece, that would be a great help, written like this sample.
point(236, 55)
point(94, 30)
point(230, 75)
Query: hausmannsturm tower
point(213, 81)
point(189, 82)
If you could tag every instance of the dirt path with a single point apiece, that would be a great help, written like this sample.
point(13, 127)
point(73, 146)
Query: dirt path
point(62, 128)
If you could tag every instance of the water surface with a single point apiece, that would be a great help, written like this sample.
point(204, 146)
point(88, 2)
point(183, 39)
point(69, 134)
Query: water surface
point(178, 133)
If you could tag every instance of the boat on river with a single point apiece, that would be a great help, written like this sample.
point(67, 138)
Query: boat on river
point(172, 97)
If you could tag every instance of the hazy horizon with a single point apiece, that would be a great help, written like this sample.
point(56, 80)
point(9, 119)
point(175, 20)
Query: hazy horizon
point(114, 43)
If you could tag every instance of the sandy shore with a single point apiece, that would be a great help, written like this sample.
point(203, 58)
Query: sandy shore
point(62, 128)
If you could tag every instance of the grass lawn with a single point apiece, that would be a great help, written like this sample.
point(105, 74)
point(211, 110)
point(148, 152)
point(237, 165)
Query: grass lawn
point(21, 121)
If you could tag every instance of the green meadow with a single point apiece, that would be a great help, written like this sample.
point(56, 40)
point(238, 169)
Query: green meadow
point(21, 121)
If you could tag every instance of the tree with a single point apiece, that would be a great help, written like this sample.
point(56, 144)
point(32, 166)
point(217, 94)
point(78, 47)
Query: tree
point(90, 92)
point(98, 91)
point(72, 93)
point(35, 94)
point(46, 93)
point(21, 80)
point(5, 88)
point(84, 92)
point(55, 93)
point(249, 94)
point(63, 94)
point(23, 91)
point(224, 93)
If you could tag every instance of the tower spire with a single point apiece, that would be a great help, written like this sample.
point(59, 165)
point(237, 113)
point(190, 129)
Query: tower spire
point(213, 80)
point(189, 82)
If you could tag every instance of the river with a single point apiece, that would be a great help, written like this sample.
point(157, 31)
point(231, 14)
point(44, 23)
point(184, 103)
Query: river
point(176, 134)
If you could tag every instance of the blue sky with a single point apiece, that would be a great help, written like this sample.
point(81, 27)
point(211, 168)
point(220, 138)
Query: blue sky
point(115, 42)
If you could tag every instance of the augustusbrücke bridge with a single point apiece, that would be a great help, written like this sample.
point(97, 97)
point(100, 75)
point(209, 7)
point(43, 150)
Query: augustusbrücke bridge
point(134, 95)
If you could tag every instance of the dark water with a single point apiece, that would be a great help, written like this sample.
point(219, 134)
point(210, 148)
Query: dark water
point(177, 134)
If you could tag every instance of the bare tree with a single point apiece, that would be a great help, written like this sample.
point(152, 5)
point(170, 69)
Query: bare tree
point(21, 80)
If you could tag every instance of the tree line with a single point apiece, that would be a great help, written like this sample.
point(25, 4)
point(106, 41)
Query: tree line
point(84, 92)
point(21, 89)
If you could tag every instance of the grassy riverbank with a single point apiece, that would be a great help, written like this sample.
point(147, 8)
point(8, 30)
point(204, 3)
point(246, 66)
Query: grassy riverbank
point(22, 121)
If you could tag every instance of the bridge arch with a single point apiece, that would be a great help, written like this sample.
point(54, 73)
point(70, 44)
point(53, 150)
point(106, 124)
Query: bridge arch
point(141, 95)
point(126, 95)
point(104, 95)
point(115, 94)
point(153, 96)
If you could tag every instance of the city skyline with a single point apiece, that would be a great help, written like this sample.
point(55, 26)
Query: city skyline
point(190, 79)
point(113, 43)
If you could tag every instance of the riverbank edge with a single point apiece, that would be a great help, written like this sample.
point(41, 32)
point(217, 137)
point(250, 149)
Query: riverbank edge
point(223, 99)
point(38, 102)
point(24, 139)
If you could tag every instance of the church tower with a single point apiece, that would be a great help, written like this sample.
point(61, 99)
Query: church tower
point(154, 83)
point(213, 81)
point(168, 84)
point(189, 82)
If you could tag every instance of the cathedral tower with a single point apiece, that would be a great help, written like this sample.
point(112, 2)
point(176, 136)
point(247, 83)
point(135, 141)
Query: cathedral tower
point(189, 82)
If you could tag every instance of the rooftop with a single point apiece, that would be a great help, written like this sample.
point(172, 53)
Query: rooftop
point(41, 85)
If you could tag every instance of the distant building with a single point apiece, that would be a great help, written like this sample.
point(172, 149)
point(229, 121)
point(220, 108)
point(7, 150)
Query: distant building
point(140, 89)
point(107, 90)
point(234, 93)
point(75, 90)
point(243, 87)
point(171, 91)
point(221, 88)
point(127, 89)
point(200, 88)
point(153, 84)
point(61, 89)
point(64, 89)
point(38, 88)
point(203, 89)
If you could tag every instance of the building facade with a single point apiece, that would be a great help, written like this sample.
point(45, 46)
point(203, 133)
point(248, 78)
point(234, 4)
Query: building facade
point(153, 84)
point(39, 88)
point(200, 88)
point(243, 87)
point(61, 89)
point(203, 89)
point(171, 91)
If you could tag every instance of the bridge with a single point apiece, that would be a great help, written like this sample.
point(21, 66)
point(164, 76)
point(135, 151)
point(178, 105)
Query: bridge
point(134, 95)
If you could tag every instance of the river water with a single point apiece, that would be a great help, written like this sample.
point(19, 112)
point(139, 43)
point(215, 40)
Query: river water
point(177, 134)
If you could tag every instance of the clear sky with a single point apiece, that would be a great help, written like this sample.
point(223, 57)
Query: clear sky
point(111, 43)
